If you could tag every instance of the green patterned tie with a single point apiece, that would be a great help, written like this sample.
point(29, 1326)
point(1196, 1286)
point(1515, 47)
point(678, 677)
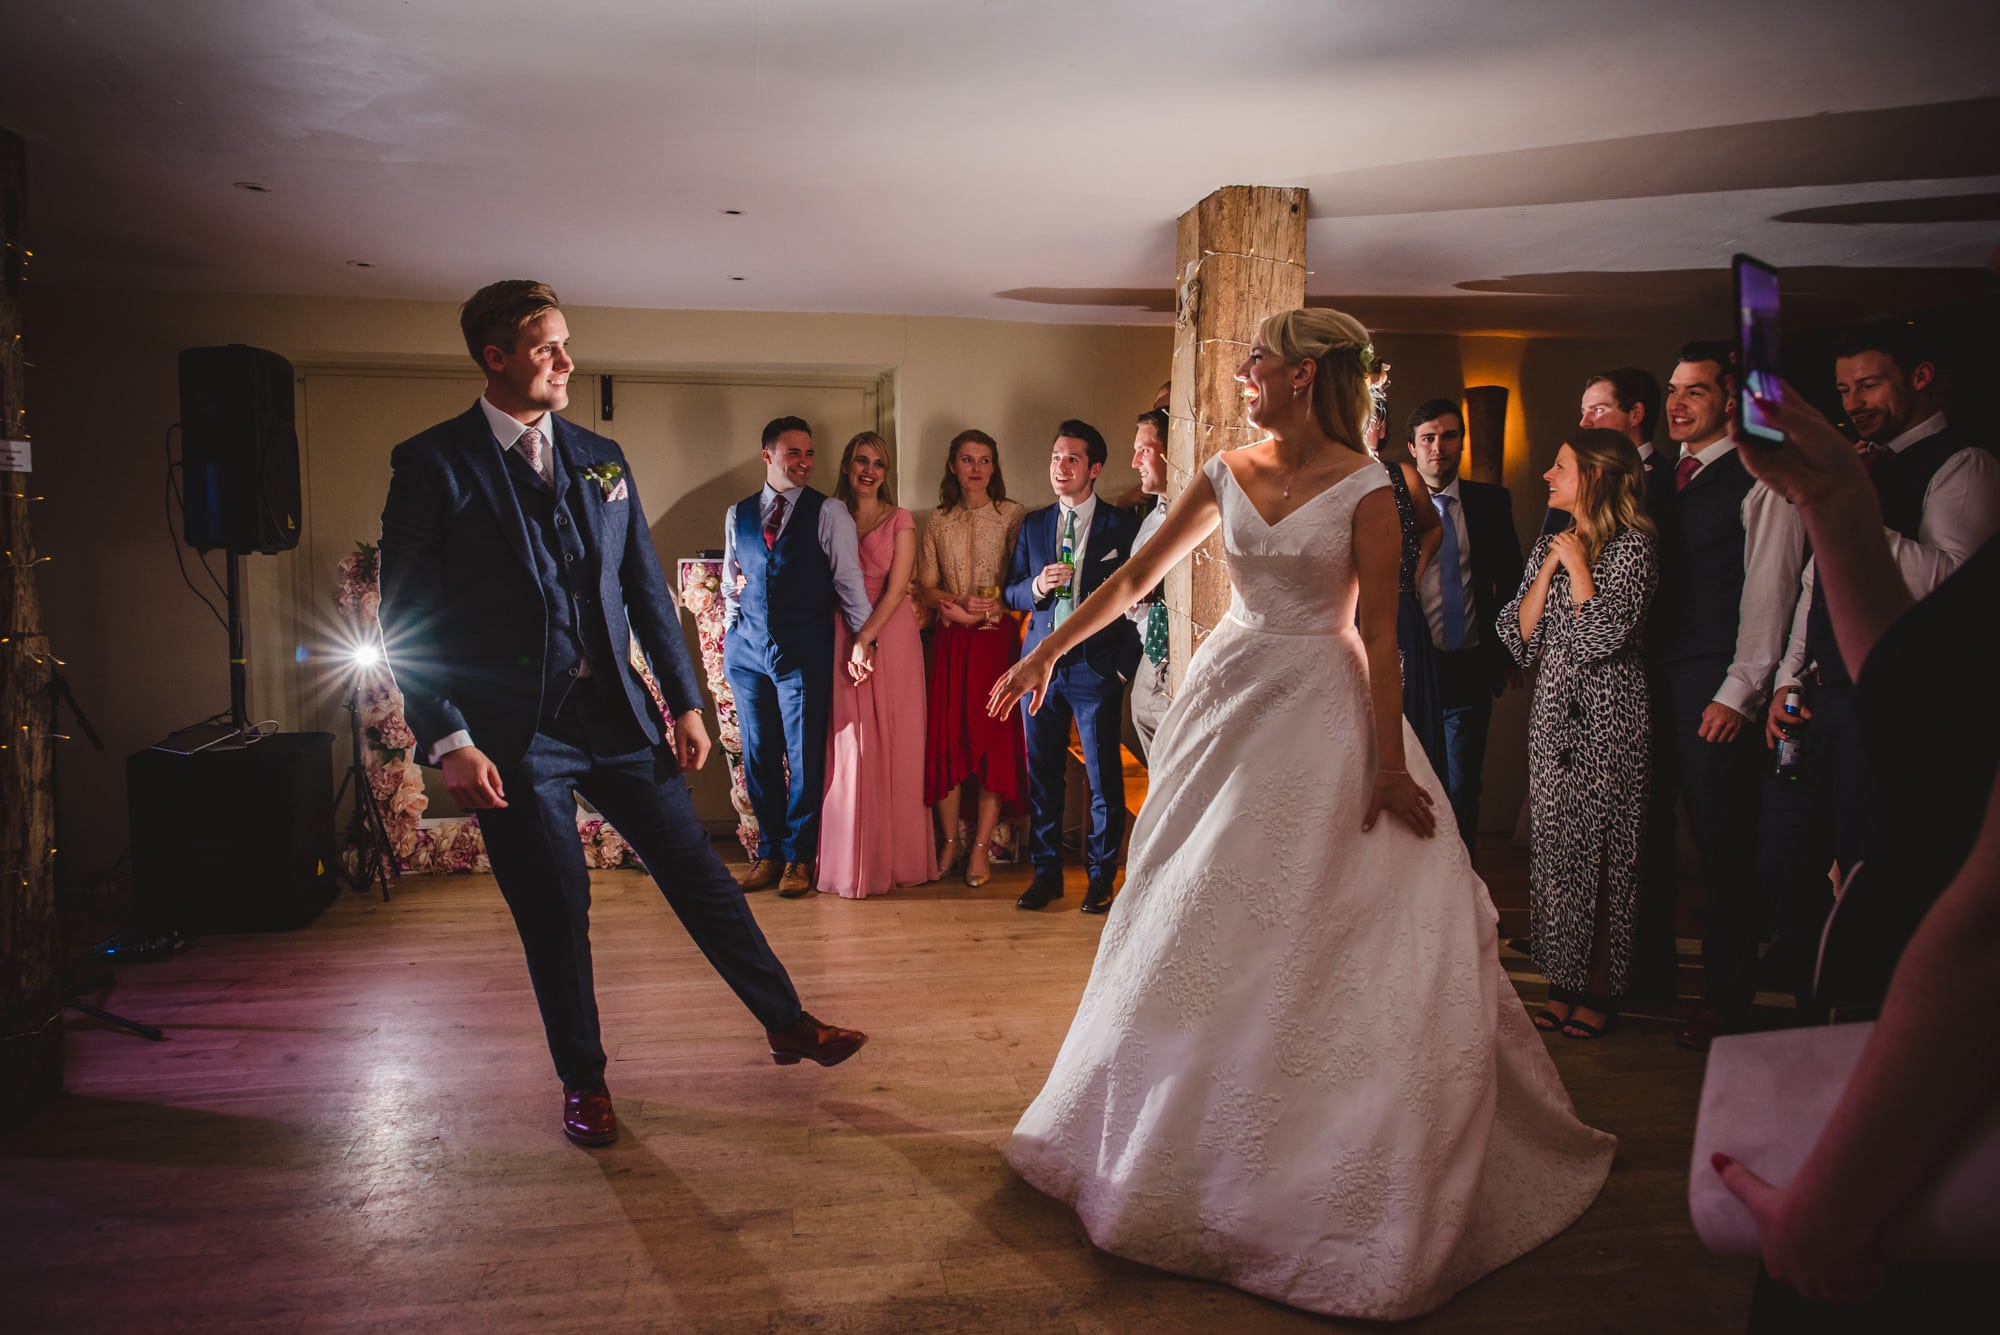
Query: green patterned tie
point(1156, 632)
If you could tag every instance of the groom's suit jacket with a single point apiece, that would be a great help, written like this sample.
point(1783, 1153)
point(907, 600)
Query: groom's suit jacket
point(466, 615)
point(1113, 652)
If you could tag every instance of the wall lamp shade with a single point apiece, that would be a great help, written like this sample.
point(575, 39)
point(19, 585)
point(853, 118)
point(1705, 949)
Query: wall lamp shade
point(1485, 432)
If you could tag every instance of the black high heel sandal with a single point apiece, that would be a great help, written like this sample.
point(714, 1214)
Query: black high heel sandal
point(1587, 1031)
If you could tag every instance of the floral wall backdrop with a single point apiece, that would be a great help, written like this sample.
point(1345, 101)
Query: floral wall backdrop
point(394, 777)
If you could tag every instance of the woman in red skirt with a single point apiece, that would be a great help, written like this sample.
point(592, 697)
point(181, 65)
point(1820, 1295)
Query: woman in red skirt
point(959, 568)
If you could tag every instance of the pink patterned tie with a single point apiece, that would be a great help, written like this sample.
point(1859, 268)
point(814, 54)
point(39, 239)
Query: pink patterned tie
point(531, 450)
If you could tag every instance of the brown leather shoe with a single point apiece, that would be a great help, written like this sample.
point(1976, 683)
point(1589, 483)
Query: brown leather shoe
point(761, 874)
point(588, 1118)
point(807, 1038)
point(797, 882)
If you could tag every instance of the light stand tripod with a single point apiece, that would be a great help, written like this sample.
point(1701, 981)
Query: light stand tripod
point(367, 832)
point(60, 694)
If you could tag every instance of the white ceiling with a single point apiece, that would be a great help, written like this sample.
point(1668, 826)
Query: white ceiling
point(1014, 159)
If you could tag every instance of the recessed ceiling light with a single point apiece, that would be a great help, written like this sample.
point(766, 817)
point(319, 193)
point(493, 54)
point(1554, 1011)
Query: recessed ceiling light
point(360, 264)
point(736, 278)
point(734, 213)
point(254, 187)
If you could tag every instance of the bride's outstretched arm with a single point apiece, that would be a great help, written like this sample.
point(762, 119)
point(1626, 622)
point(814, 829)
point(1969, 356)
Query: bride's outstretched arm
point(1378, 555)
point(1193, 517)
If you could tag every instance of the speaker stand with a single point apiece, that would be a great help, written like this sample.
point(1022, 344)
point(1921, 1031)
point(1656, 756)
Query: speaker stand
point(367, 832)
point(239, 711)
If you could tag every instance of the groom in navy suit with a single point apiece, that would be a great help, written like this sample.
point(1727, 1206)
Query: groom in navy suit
point(517, 576)
point(1062, 554)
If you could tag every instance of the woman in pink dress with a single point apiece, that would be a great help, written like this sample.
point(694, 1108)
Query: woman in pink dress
point(875, 831)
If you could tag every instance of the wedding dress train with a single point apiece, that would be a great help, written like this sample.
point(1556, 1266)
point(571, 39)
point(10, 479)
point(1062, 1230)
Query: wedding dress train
point(1298, 1066)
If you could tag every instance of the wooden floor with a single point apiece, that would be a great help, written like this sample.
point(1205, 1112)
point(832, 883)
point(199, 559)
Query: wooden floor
point(353, 1127)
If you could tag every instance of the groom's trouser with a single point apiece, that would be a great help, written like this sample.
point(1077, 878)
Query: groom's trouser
point(783, 715)
point(538, 860)
point(1076, 692)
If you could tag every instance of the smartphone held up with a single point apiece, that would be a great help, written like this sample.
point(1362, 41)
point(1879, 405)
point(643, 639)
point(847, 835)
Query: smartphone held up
point(1757, 349)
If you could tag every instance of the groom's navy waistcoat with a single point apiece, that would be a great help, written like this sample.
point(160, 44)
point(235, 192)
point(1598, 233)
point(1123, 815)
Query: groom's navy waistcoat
point(784, 615)
point(556, 524)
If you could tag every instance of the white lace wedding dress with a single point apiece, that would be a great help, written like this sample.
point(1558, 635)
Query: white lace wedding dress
point(1298, 1067)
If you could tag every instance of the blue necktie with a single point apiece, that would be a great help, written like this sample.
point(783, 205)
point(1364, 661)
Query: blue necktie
point(1451, 581)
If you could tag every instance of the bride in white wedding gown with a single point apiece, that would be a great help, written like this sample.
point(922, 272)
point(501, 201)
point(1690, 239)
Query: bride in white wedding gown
point(1298, 1066)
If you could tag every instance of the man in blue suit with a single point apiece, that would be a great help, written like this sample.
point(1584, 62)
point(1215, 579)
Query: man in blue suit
point(791, 560)
point(518, 580)
point(1062, 554)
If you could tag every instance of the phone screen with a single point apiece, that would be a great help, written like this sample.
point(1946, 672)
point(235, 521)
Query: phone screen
point(1757, 345)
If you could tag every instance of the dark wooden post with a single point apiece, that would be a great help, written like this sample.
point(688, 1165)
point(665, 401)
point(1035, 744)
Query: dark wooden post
point(31, 1040)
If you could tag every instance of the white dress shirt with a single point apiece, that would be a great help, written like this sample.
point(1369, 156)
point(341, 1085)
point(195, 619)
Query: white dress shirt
point(1084, 513)
point(507, 432)
point(1961, 511)
point(837, 538)
point(1774, 552)
point(1148, 526)
point(1431, 592)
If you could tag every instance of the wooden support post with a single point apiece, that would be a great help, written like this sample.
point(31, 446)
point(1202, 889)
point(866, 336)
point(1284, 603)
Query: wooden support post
point(31, 1038)
point(1239, 256)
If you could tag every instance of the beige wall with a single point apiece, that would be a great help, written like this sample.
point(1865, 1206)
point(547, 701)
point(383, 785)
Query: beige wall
point(146, 658)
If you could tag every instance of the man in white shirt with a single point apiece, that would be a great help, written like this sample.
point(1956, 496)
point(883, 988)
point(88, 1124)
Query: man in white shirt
point(1940, 496)
point(790, 561)
point(1152, 691)
point(1735, 550)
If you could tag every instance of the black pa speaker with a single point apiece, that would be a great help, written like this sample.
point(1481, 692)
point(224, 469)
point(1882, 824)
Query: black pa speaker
point(233, 840)
point(239, 451)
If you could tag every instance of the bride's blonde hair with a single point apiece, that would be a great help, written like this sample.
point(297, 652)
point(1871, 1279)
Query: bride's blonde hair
point(1339, 343)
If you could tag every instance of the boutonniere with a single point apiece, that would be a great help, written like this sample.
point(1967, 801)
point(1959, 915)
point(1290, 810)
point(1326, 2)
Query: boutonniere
point(606, 476)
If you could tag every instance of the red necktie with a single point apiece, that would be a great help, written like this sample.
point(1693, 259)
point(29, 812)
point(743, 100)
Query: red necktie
point(772, 522)
point(1684, 472)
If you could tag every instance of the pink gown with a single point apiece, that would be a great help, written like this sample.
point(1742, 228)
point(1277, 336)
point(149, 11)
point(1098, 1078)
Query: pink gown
point(874, 830)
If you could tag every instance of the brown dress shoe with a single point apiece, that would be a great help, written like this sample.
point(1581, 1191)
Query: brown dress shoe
point(807, 1038)
point(588, 1118)
point(797, 882)
point(761, 874)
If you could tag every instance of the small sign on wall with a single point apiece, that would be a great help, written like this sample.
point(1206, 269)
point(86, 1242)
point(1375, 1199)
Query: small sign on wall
point(15, 457)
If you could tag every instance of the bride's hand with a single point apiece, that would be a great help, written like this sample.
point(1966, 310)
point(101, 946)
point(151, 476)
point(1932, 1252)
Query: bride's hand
point(1396, 791)
point(1029, 677)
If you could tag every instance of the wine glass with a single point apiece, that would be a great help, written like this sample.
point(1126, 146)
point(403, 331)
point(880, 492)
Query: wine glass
point(989, 591)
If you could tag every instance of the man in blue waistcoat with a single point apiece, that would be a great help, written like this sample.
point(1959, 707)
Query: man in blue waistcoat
point(791, 561)
point(518, 582)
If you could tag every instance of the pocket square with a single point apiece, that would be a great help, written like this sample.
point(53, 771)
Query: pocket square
point(617, 493)
point(1111, 555)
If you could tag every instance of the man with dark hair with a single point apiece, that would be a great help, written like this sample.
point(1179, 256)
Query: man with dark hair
point(1735, 548)
point(518, 579)
point(1061, 555)
point(790, 561)
point(1940, 496)
point(1477, 569)
point(1627, 400)
point(1152, 687)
